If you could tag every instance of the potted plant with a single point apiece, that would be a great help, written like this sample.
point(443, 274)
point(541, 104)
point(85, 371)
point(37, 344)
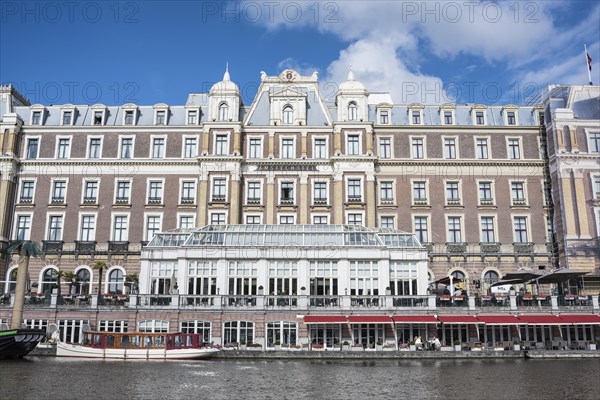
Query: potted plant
point(412, 346)
point(388, 291)
point(261, 290)
point(379, 345)
point(277, 345)
point(517, 345)
point(592, 344)
point(131, 282)
point(242, 344)
point(346, 345)
point(457, 345)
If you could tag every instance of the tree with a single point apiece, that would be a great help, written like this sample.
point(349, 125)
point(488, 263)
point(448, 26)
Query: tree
point(99, 266)
point(26, 249)
point(70, 277)
point(59, 275)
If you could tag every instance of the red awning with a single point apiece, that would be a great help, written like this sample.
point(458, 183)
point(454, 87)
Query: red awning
point(458, 319)
point(414, 319)
point(584, 319)
point(325, 319)
point(369, 319)
point(499, 319)
point(541, 320)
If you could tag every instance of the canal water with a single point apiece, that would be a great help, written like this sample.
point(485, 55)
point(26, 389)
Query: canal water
point(55, 378)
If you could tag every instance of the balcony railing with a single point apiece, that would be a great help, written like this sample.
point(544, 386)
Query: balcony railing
point(456, 248)
point(122, 200)
point(154, 200)
point(523, 248)
point(85, 246)
point(218, 199)
point(118, 247)
point(58, 200)
point(187, 200)
point(420, 202)
point(26, 200)
point(354, 199)
point(489, 247)
point(52, 246)
point(90, 200)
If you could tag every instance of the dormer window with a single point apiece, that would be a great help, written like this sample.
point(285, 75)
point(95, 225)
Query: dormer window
point(160, 117)
point(510, 118)
point(98, 117)
point(129, 117)
point(352, 111)
point(288, 115)
point(36, 118)
point(384, 117)
point(223, 112)
point(416, 117)
point(447, 117)
point(479, 118)
point(67, 118)
point(192, 118)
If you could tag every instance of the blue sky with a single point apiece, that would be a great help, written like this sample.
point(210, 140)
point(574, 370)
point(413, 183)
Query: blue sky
point(432, 52)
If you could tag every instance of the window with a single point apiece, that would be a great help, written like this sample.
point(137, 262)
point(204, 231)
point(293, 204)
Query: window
point(83, 281)
point(223, 112)
point(320, 220)
point(487, 230)
point(452, 193)
point(518, 193)
point(596, 186)
point(384, 117)
point(94, 148)
point(385, 148)
point(354, 190)
point(520, 226)
point(450, 148)
point(481, 149)
point(67, 117)
point(118, 326)
point(510, 118)
point(419, 192)
point(90, 192)
point(421, 229)
point(352, 111)
point(200, 327)
point(447, 117)
point(386, 191)
point(27, 190)
point(320, 148)
point(59, 192)
point(514, 151)
point(221, 145)
point(252, 219)
point(416, 117)
point(286, 219)
point(153, 226)
point(254, 192)
point(64, 147)
point(115, 281)
point(287, 192)
point(236, 331)
point(217, 219)
point(188, 192)
point(98, 116)
point(255, 148)
point(88, 228)
point(123, 190)
point(120, 224)
point(32, 148)
point(355, 219)
point(320, 192)
point(126, 147)
point(219, 189)
point(155, 192)
point(160, 117)
point(186, 221)
point(192, 117)
point(387, 222)
point(158, 148)
point(36, 118)
point(190, 149)
point(594, 142)
point(287, 148)
point(129, 117)
point(353, 145)
point(485, 193)
point(479, 119)
point(55, 224)
point(288, 115)
point(417, 148)
point(454, 235)
point(282, 332)
point(23, 227)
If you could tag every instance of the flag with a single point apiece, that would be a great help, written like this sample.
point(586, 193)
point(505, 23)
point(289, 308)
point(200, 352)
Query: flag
point(589, 60)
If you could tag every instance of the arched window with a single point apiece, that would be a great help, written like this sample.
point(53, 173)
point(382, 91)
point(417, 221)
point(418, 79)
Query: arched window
point(12, 280)
point(49, 279)
point(352, 111)
point(489, 278)
point(223, 112)
point(115, 281)
point(236, 331)
point(284, 332)
point(458, 275)
point(288, 115)
point(83, 281)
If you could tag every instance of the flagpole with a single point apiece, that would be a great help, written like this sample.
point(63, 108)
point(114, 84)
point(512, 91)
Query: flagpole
point(587, 64)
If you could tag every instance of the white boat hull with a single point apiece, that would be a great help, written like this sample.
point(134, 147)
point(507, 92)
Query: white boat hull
point(76, 350)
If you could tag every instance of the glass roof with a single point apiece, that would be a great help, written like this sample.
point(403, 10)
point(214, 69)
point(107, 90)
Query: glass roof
point(284, 235)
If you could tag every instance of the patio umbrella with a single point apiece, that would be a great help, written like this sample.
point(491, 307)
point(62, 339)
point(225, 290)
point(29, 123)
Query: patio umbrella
point(506, 282)
point(561, 275)
point(523, 275)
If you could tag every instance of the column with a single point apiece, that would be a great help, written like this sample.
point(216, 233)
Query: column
point(560, 139)
point(270, 201)
point(567, 201)
point(573, 137)
point(370, 183)
point(304, 199)
point(271, 144)
point(237, 143)
point(582, 208)
point(202, 197)
point(234, 199)
point(369, 142)
point(338, 199)
point(6, 201)
point(304, 147)
point(205, 142)
point(337, 143)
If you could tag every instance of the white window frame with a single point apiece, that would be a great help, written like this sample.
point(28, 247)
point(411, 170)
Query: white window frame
point(260, 191)
point(113, 216)
point(588, 138)
point(39, 143)
point(84, 187)
point(314, 147)
point(593, 178)
point(393, 217)
point(286, 215)
point(253, 215)
point(220, 116)
point(456, 148)
point(488, 147)
point(16, 225)
point(393, 199)
point(80, 225)
point(474, 112)
point(28, 179)
point(520, 141)
point(280, 181)
point(281, 152)
point(460, 192)
point(462, 227)
point(116, 189)
point(312, 194)
point(153, 215)
point(93, 119)
point(89, 144)
point(361, 179)
point(428, 225)
point(411, 112)
point(223, 212)
point(360, 139)
point(216, 143)
point(194, 192)
point(527, 227)
point(391, 144)
point(505, 112)
point(121, 137)
point(492, 190)
point(164, 110)
point(188, 112)
point(495, 227)
point(354, 106)
point(287, 111)
point(148, 180)
point(380, 112)
point(319, 215)
point(359, 212)
point(62, 228)
point(69, 148)
point(260, 147)
point(42, 112)
point(164, 150)
point(525, 192)
point(62, 116)
point(412, 190)
point(186, 215)
point(183, 146)
point(135, 115)
point(212, 186)
point(51, 194)
point(424, 139)
point(443, 112)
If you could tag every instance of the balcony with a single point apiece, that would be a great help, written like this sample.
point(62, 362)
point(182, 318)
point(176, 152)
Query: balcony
point(154, 200)
point(85, 246)
point(122, 200)
point(420, 202)
point(286, 202)
point(320, 201)
point(26, 200)
point(519, 202)
point(453, 202)
point(217, 199)
point(187, 200)
point(52, 246)
point(524, 248)
point(57, 200)
point(354, 199)
point(118, 247)
point(90, 200)
point(253, 200)
point(489, 248)
point(486, 202)
point(456, 248)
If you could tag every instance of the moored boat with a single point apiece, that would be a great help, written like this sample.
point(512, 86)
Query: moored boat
point(137, 346)
point(17, 343)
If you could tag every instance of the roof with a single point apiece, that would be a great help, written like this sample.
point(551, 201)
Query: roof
point(285, 235)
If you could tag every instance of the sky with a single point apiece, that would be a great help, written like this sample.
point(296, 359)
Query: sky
point(148, 52)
